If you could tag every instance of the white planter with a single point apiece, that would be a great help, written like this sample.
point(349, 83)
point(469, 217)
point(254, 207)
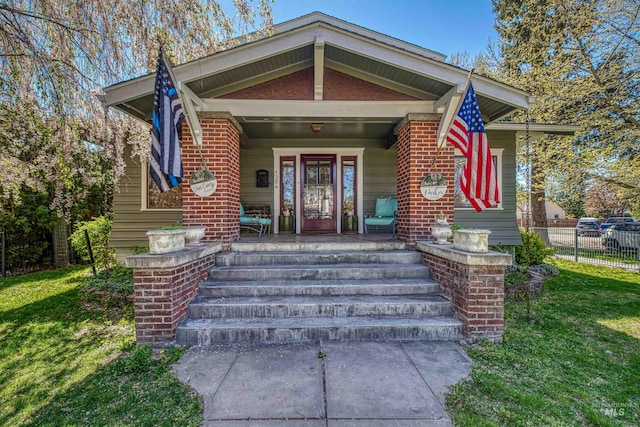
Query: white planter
point(166, 241)
point(470, 240)
point(194, 234)
point(441, 232)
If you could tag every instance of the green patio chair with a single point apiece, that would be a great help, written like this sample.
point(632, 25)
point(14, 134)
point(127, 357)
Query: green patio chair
point(254, 220)
point(385, 215)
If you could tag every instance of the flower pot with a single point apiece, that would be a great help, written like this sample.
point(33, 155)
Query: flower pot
point(194, 235)
point(441, 232)
point(287, 224)
point(350, 223)
point(166, 241)
point(471, 240)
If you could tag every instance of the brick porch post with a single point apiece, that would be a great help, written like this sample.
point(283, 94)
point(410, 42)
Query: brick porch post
point(417, 135)
point(220, 212)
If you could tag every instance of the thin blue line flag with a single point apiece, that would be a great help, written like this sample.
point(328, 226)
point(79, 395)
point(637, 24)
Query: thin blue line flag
point(166, 160)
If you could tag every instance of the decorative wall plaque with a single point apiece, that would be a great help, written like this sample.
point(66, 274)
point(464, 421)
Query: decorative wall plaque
point(203, 182)
point(433, 186)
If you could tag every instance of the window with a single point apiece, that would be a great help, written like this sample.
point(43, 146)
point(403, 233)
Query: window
point(288, 187)
point(171, 199)
point(349, 201)
point(460, 200)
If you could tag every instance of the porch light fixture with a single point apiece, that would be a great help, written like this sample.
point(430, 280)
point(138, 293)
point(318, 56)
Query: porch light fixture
point(317, 127)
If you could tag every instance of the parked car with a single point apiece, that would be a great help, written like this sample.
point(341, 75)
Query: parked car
point(622, 237)
point(588, 226)
point(615, 220)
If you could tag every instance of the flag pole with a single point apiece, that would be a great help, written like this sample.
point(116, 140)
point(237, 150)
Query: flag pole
point(179, 91)
point(440, 141)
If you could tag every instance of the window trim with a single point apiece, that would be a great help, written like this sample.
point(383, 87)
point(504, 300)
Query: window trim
point(497, 152)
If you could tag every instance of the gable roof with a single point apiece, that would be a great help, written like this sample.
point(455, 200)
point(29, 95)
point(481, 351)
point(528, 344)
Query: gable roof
point(318, 40)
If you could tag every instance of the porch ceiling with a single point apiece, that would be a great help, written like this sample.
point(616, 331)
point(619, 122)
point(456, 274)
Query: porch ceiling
point(296, 128)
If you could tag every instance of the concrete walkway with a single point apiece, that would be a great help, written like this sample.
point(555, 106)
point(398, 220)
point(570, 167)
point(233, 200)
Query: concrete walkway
point(336, 384)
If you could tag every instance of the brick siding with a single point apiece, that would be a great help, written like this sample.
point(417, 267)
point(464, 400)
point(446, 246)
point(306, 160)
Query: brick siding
point(476, 293)
point(416, 151)
point(337, 86)
point(161, 298)
point(220, 212)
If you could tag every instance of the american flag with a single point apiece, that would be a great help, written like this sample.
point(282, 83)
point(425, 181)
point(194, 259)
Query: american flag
point(479, 181)
point(166, 160)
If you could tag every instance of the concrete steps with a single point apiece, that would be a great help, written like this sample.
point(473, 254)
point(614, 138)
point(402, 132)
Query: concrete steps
point(318, 258)
point(346, 287)
point(415, 306)
point(279, 296)
point(206, 332)
point(319, 272)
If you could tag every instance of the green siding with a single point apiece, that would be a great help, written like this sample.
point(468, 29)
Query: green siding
point(130, 223)
point(380, 178)
point(501, 222)
point(379, 174)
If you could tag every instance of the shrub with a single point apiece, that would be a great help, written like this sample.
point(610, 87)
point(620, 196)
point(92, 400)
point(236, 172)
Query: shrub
point(546, 270)
point(112, 288)
point(533, 250)
point(99, 231)
point(137, 249)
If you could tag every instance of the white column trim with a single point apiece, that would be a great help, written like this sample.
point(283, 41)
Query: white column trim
point(278, 152)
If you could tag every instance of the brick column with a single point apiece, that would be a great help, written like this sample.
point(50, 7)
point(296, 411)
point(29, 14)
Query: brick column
point(474, 283)
point(220, 212)
point(417, 134)
point(163, 287)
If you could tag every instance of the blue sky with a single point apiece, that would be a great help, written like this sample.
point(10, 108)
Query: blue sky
point(446, 26)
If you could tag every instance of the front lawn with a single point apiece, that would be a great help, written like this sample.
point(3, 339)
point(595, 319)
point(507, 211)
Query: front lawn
point(62, 363)
point(575, 362)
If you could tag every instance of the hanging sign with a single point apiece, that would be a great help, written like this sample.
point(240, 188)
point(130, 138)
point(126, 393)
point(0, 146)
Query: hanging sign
point(433, 186)
point(203, 182)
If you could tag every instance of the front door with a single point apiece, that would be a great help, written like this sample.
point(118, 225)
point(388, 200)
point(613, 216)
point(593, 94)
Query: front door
point(318, 193)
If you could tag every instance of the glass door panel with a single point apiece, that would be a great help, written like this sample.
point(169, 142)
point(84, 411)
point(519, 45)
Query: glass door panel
point(318, 194)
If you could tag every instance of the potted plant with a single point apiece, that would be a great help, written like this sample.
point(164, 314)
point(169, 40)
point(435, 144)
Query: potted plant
point(441, 230)
point(287, 219)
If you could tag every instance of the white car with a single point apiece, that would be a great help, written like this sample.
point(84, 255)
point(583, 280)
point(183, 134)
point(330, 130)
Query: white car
point(624, 236)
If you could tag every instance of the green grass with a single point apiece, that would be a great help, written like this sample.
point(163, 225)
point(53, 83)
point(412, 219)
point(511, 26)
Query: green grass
point(575, 362)
point(63, 364)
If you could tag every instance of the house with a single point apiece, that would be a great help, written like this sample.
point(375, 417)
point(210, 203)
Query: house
point(321, 118)
point(554, 211)
point(375, 103)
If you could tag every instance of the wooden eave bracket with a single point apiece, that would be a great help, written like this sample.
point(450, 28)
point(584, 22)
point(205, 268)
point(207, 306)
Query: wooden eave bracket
point(318, 69)
point(447, 105)
point(190, 100)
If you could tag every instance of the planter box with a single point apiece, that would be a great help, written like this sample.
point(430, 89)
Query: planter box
point(470, 240)
point(166, 241)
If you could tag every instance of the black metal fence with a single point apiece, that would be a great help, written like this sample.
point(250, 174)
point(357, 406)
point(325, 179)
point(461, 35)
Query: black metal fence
point(593, 248)
point(25, 251)
point(35, 249)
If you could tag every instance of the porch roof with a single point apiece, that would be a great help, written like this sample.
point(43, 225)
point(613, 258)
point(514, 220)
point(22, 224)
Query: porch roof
point(320, 41)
